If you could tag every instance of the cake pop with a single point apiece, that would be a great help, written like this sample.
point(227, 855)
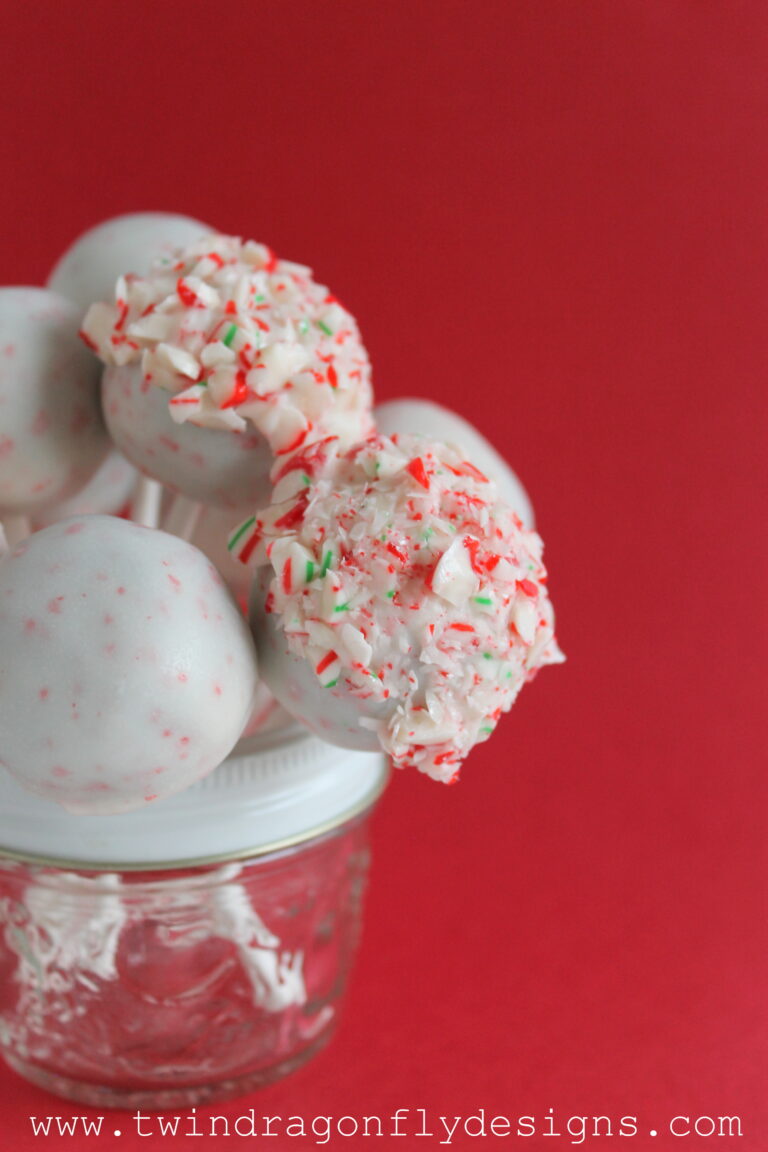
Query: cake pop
point(223, 362)
point(107, 493)
point(127, 670)
point(52, 436)
point(403, 604)
point(425, 418)
point(89, 269)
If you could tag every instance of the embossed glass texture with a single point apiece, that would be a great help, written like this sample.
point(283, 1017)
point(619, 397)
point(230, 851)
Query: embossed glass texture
point(155, 989)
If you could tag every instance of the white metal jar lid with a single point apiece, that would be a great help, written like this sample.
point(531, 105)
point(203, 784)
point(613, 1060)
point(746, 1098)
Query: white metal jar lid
point(277, 789)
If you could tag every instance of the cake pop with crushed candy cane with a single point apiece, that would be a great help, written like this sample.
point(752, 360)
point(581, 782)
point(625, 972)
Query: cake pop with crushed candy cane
point(401, 604)
point(127, 671)
point(87, 271)
point(221, 361)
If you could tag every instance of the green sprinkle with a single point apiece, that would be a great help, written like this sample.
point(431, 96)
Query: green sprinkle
point(427, 533)
point(488, 655)
point(203, 383)
point(482, 600)
point(333, 683)
point(260, 299)
point(231, 333)
point(324, 327)
point(303, 326)
point(241, 532)
point(305, 479)
point(390, 595)
point(327, 561)
point(310, 573)
point(342, 607)
point(486, 728)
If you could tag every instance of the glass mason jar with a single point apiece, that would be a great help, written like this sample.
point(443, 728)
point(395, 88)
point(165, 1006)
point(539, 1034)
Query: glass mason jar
point(152, 981)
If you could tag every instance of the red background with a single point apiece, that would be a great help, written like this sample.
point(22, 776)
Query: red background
point(550, 216)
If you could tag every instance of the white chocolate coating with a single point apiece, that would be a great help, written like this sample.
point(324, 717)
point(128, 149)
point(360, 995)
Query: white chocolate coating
point(224, 467)
point(404, 605)
point(425, 418)
point(127, 671)
point(107, 493)
point(52, 435)
point(88, 270)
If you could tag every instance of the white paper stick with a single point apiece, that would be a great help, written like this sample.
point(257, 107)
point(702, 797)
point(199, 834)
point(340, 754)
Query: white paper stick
point(182, 517)
point(4, 549)
point(145, 506)
point(17, 528)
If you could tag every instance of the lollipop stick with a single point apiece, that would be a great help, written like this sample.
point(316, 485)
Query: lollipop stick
point(182, 517)
point(17, 528)
point(3, 543)
point(145, 506)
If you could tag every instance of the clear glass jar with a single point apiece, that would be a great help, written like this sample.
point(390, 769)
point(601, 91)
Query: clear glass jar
point(176, 987)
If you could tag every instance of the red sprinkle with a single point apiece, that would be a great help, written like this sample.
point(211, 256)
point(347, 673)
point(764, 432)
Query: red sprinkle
point(240, 392)
point(186, 295)
point(252, 544)
point(295, 443)
point(418, 471)
point(294, 515)
point(326, 662)
point(401, 556)
point(287, 585)
point(527, 587)
point(467, 469)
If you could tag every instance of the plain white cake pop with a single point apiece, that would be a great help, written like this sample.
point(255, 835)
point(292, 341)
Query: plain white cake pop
point(52, 435)
point(425, 418)
point(227, 468)
point(108, 493)
point(402, 603)
point(88, 270)
point(127, 671)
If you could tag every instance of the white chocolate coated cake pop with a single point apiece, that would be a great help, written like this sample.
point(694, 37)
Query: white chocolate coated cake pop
point(89, 269)
point(226, 468)
point(127, 671)
point(425, 418)
point(107, 493)
point(229, 339)
point(404, 605)
point(52, 435)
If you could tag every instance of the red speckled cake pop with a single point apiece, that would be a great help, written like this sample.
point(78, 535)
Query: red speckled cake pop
point(52, 436)
point(127, 671)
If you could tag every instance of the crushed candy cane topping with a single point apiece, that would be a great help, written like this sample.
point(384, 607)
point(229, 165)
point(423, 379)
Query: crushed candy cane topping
point(400, 576)
point(235, 335)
